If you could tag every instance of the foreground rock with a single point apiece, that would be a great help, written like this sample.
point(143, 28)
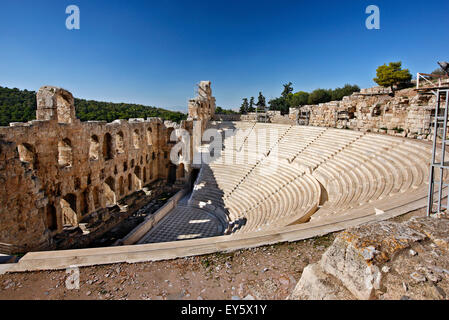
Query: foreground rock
point(382, 260)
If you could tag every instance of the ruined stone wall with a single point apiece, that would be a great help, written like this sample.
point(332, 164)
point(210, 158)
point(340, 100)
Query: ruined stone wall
point(202, 107)
point(406, 114)
point(56, 171)
point(270, 117)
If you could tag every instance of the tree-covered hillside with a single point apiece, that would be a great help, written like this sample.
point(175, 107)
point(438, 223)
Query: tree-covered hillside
point(20, 106)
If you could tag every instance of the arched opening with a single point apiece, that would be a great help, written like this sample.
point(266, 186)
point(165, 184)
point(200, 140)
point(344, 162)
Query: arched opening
point(96, 197)
point(120, 142)
point(169, 133)
point(150, 136)
point(68, 206)
point(130, 182)
point(77, 183)
point(109, 191)
point(65, 157)
point(107, 147)
point(181, 171)
point(121, 186)
point(171, 178)
point(84, 203)
point(94, 148)
point(27, 154)
point(51, 218)
point(144, 175)
point(136, 142)
point(137, 178)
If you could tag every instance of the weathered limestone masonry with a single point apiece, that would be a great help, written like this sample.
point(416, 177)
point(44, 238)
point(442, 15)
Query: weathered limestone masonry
point(382, 260)
point(57, 171)
point(202, 108)
point(407, 114)
point(271, 117)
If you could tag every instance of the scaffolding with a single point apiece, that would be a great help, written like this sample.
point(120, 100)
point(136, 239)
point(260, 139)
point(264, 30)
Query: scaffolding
point(439, 164)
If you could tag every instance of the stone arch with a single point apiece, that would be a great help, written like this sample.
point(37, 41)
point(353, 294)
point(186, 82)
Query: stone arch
point(94, 148)
point(136, 139)
point(169, 132)
point(65, 106)
point(121, 186)
point(150, 136)
point(171, 176)
point(65, 156)
point(120, 142)
point(130, 182)
point(51, 217)
point(84, 202)
point(109, 191)
point(181, 171)
point(137, 178)
point(27, 154)
point(376, 110)
point(96, 197)
point(69, 210)
point(107, 147)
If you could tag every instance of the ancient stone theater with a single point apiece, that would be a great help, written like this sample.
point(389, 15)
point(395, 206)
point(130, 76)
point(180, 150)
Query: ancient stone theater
point(234, 181)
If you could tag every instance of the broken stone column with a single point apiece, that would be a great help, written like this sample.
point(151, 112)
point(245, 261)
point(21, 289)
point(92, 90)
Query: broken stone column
point(54, 103)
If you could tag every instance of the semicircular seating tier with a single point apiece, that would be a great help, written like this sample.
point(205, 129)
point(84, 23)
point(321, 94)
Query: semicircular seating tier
point(268, 176)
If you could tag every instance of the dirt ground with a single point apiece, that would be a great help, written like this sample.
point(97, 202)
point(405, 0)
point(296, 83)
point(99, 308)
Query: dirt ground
point(269, 272)
point(262, 273)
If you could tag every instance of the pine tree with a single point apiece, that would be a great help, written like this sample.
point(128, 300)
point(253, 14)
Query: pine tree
point(245, 106)
point(251, 105)
point(391, 75)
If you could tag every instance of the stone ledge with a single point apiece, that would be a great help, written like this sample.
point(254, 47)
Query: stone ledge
point(361, 258)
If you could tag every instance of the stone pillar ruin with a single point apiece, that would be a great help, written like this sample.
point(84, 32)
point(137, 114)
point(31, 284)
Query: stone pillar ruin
point(54, 103)
point(202, 108)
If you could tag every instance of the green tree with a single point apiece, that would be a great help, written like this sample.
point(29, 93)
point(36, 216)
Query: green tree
point(220, 110)
point(251, 105)
point(288, 89)
point(20, 106)
point(320, 96)
point(299, 98)
point(245, 106)
point(279, 104)
point(392, 75)
point(347, 90)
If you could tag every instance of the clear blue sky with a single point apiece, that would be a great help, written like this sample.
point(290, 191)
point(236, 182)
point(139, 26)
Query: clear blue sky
point(153, 52)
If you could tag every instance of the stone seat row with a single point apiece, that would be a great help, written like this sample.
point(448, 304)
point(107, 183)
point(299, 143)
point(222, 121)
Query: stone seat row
point(312, 173)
